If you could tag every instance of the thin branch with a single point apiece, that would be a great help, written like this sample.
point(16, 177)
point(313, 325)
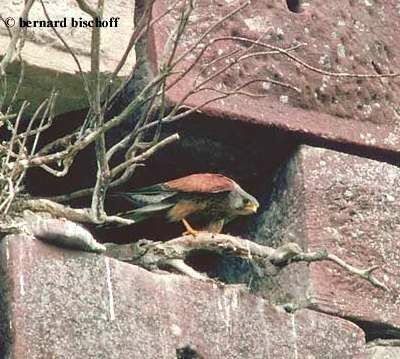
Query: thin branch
point(14, 136)
point(143, 25)
point(82, 143)
point(84, 6)
point(18, 87)
point(183, 268)
point(72, 53)
point(304, 64)
point(16, 34)
point(145, 155)
point(324, 255)
point(206, 33)
point(155, 254)
point(57, 210)
point(49, 121)
point(117, 170)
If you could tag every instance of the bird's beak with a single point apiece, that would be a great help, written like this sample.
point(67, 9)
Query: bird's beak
point(252, 207)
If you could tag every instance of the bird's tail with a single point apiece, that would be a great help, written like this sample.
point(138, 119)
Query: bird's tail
point(146, 205)
point(140, 214)
point(143, 198)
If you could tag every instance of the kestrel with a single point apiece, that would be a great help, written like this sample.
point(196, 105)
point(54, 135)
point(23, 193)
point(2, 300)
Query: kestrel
point(205, 200)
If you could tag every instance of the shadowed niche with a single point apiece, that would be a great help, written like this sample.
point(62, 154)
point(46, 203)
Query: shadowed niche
point(294, 5)
point(248, 154)
point(187, 352)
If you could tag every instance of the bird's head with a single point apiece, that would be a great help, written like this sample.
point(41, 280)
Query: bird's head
point(243, 203)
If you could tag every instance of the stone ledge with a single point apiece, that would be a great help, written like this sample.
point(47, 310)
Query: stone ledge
point(70, 304)
point(350, 37)
point(48, 64)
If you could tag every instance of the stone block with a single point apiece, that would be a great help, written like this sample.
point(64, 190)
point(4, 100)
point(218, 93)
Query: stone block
point(49, 64)
point(69, 304)
point(349, 206)
point(351, 37)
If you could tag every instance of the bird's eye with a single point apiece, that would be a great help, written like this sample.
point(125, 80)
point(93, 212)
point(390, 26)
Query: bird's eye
point(245, 202)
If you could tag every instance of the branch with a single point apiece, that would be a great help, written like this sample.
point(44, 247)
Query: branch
point(145, 155)
point(383, 343)
point(155, 254)
point(12, 46)
point(118, 169)
point(84, 6)
point(57, 210)
point(324, 255)
point(183, 268)
point(306, 65)
point(72, 53)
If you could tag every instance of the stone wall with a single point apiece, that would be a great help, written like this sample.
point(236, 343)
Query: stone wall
point(324, 163)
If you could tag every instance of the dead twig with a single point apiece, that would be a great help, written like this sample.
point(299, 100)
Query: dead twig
point(56, 210)
point(324, 255)
point(156, 254)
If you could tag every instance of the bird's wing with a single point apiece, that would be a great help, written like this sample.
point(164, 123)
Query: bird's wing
point(200, 183)
point(196, 183)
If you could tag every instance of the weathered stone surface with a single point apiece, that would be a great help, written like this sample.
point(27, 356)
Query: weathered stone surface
point(68, 304)
point(349, 206)
point(49, 63)
point(342, 36)
point(383, 351)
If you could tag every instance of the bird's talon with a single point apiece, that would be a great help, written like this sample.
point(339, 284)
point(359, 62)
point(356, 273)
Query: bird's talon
point(194, 233)
point(189, 229)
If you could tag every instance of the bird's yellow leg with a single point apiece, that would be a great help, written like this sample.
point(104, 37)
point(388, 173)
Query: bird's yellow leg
point(189, 228)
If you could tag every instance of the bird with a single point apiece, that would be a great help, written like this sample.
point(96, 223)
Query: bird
point(206, 201)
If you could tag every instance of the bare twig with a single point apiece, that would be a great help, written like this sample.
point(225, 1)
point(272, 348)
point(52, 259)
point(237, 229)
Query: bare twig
point(118, 169)
point(84, 6)
point(57, 210)
point(12, 50)
point(72, 53)
point(324, 255)
point(145, 155)
point(182, 267)
point(156, 254)
point(304, 64)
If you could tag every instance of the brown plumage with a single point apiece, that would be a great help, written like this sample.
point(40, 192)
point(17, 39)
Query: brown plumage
point(206, 200)
point(202, 182)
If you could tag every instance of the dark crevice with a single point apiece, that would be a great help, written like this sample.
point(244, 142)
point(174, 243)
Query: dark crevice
point(376, 330)
point(187, 352)
point(205, 262)
point(224, 267)
point(366, 151)
point(294, 5)
point(372, 330)
point(5, 332)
